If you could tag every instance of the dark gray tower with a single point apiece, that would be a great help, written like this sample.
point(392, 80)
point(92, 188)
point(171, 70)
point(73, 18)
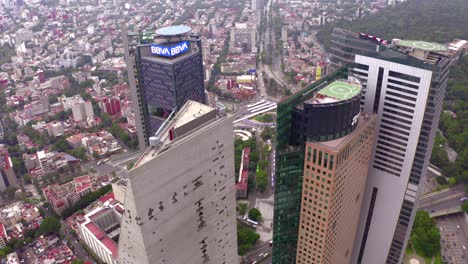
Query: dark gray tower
point(165, 71)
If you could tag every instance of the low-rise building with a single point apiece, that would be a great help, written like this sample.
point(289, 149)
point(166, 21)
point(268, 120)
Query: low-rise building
point(101, 229)
point(83, 185)
point(12, 258)
point(61, 197)
point(242, 183)
point(3, 236)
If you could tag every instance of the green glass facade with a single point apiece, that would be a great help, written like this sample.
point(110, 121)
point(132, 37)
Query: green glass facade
point(289, 171)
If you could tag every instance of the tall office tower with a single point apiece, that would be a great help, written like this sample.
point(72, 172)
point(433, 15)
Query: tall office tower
point(165, 70)
point(323, 148)
point(180, 202)
point(405, 86)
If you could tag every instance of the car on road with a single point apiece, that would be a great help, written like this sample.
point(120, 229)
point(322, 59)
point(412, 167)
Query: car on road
point(464, 248)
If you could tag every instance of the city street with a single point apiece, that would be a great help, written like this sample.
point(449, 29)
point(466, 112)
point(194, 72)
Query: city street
point(445, 199)
point(257, 254)
point(117, 164)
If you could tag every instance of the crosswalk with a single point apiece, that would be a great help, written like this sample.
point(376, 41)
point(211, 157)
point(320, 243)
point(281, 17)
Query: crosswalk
point(257, 108)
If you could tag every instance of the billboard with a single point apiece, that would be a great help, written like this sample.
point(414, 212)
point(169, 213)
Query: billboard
point(170, 51)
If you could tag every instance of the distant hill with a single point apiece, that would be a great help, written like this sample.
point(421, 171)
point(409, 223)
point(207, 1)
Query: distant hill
point(430, 20)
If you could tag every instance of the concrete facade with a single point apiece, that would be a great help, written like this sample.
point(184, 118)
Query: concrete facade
point(400, 105)
point(335, 175)
point(180, 197)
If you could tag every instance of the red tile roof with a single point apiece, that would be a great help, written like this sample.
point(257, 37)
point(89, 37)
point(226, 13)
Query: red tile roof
point(99, 234)
point(107, 197)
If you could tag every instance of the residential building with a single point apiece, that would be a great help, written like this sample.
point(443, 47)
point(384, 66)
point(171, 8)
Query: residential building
point(242, 182)
point(165, 71)
point(3, 236)
point(82, 111)
point(243, 39)
point(100, 230)
point(323, 147)
point(180, 194)
point(7, 173)
point(68, 102)
point(119, 188)
point(83, 185)
point(405, 86)
point(55, 129)
point(61, 197)
point(12, 258)
point(110, 105)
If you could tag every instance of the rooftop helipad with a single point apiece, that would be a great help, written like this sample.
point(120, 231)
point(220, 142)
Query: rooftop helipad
point(423, 45)
point(340, 90)
point(173, 30)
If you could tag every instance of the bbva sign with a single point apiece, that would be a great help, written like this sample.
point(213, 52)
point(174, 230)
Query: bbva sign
point(170, 51)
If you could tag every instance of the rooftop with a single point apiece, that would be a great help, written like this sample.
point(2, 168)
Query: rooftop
point(189, 117)
point(101, 236)
point(422, 45)
point(335, 92)
point(173, 30)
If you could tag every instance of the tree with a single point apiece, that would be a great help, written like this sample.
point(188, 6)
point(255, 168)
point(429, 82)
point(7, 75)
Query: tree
point(267, 133)
point(27, 179)
point(78, 261)
point(50, 224)
point(5, 251)
point(62, 115)
point(130, 165)
point(246, 238)
point(441, 180)
point(242, 208)
point(61, 145)
point(255, 215)
point(106, 119)
point(464, 206)
point(261, 180)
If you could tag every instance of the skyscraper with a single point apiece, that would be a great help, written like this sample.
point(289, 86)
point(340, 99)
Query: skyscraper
point(165, 70)
point(405, 84)
point(180, 199)
point(323, 149)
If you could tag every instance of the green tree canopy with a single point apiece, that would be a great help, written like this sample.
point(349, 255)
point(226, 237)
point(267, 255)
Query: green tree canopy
point(425, 234)
point(464, 206)
point(246, 238)
point(242, 207)
point(50, 224)
point(255, 215)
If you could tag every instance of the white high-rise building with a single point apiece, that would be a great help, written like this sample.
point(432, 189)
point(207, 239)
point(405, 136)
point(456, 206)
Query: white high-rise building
point(405, 84)
point(180, 196)
point(82, 111)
